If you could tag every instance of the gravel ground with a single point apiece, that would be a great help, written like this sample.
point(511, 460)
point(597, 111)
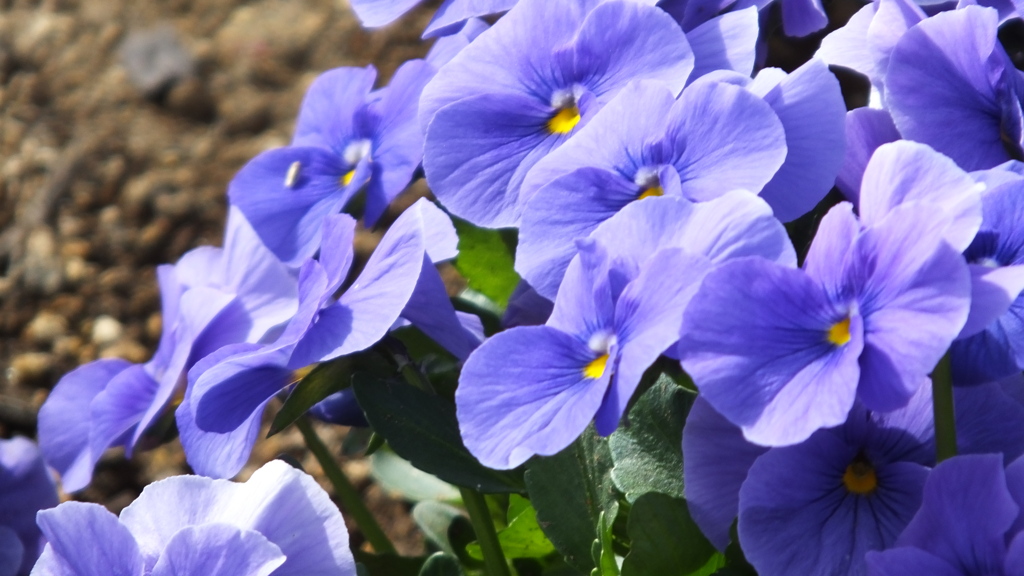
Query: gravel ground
point(121, 123)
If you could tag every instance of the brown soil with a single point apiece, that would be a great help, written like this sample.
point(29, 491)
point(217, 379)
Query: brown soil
point(100, 183)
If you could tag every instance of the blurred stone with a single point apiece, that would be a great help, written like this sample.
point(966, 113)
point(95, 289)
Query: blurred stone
point(155, 60)
point(106, 330)
point(43, 271)
point(127, 349)
point(29, 367)
point(191, 99)
point(46, 327)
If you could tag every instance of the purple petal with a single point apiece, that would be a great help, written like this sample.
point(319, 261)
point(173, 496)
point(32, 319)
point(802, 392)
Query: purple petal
point(993, 290)
point(810, 105)
point(439, 235)
point(910, 172)
point(474, 146)
point(374, 13)
point(374, 301)
point(726, 42)
point(284, 504)
point(866, 130)
point(90, 541)
point(908, 562)
point(754, 339)
point(567, 209)
point(703, 125)
point(716, 459)
point(337, 252)
point(430, 309)
point(967, 497)
point(523, 392)
point(26, 487)
point(988, 420)
point(444, 49)
point(802, 17)
point(835, 236)
point(848, 47)
point(330, 104)
point(218, 549)
point(398, 141)
point(940, 86)
point(286, 205)
point(795, 497)
point(64, 421)
point(454, 12)
point(909, 277)
point(120, 407)
point(648, 315)
point(586, 300)
point(12, 552)
point(226, 395)
point(892, 20)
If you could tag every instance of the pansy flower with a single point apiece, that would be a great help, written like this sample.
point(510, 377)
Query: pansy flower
point(525, 85)
point(819, 506)
point(26, 487)
point(448, 19)
point(782, 352)
point(278, 523)
point(347, 138)
point(971, 522)
point(533, 389)
point(211, 298)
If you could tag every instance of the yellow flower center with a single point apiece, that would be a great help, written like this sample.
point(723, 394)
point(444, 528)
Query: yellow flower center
point(839, 333)
point(564, 120)
point(595, 369)
point(347, 178)
point(860, 477)
point(652, 192)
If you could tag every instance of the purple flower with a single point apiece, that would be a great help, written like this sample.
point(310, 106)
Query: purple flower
point(534, 389)
point(347, 138)
point(523, 87)
point(447, 20)
point(866, 130)
point(952, 86)
point(278, 523)
point(993, 346)
point(817, 507)
point(26, 487)
point(211, 298)
point(782, 352)
point(969, 523)
point(220, 415)
point(644, 143)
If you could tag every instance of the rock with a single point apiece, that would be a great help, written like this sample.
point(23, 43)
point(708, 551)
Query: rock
point(192, 99)
point(155, 60)
point(127, 349)
point(46, 327)
point(43, 270)
point(106, 330)
point(29, 367)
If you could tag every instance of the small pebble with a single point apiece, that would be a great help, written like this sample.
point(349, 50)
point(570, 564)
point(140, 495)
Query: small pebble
point(106, 330)
point(29, 367)
point(46, 327)
point(155, 60)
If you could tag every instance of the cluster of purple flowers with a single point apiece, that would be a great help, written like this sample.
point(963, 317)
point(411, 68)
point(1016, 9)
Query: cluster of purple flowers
point(651, 166)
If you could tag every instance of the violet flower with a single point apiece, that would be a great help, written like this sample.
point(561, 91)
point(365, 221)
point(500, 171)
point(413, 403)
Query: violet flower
point(347, 137)
point(782, 352)
point(524, 86)
point(970, 523)
point(278, 523)
point(951, 85)
point(644, 143)
point(448, 19)
point(26, 487)
point(819, 506)
point(533, 389)
point(211, 298)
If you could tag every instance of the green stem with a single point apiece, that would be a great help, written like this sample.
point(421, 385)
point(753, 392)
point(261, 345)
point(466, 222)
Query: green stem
point(345, 491)
point(480, 517)
point(942, 402)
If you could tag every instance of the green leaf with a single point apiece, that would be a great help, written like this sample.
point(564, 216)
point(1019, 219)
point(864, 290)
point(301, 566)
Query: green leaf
point(325, 379)
point(486, 258)
point(523, 538)
point(648, 450)
point(402, 479)
point(570, 490)
point(389, 564)
point(665, 540)
point(435, 518)
point(422, 428)
point(441, 564)
point(735, 561)
point(604, 553)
